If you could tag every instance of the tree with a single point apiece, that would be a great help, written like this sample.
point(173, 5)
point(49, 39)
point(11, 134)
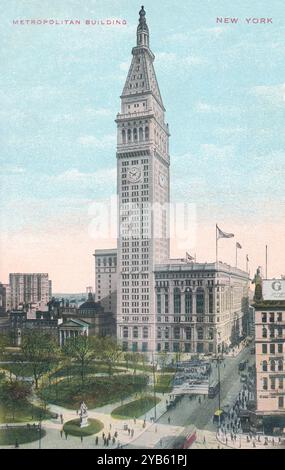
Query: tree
point(14, 392)
point(82, 350)
point(109, 351)
point(40, 349)
point(4, 343)
point(162, 361)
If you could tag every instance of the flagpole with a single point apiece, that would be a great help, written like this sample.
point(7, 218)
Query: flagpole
point(247, 263)
point(236, 254)
point(216, 243)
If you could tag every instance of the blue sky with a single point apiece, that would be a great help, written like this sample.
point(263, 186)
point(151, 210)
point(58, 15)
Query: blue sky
point(223, 87)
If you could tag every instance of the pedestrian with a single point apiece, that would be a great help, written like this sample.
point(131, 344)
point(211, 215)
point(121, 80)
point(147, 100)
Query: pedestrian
point(65, 435)
point(113, 440)
point(129, 431)
point(109, 436)
point(116, 434)
point(204, 440)
point(110, 427)
point(81, 438)
point(103, 435)
point(168, 419)
point(61, 432)
point(96, 441)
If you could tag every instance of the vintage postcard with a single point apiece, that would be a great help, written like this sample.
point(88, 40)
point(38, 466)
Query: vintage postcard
point(142, 263)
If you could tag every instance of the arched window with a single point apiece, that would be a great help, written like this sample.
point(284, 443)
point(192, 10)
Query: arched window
point(200, 332)
point(188, 301)
point(146, 133)
point(272, 366)
point(264, 366)
point(280, 365)
point(125, 332)
point(177, 300)
point(264, 332)
point(140, 133)
point(200, 301)
point(211, 333)
point(123, 136)
point(135, 133)
point(135, 332)
point(129, 135)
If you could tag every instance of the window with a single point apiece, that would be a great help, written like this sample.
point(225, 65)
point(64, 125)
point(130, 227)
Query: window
point(144, 347)
point(125, 332)
point(135, 332)
point(264, 332)
point(272, 348)
point(279, 316)
point(158, 302)
point(200, 301)
point(145, 332)
point(166, 303)
point(271, 317)
point(159, 333)
point(280, 348)
point(280, 402)
point(280, 365)
point(188, 332)
point(125, 346)
point(146, 133)
point(187, 348)
point(264, 349)
point(272, 366)
point(200, 332)
point(273, 383)
point(265, 383)
point(176, 332)
point(158, 347)
point(177, 300)
point(134, 347)
point(166, 333)
point(264, 366)
point(211, 333)
point(211, 301)
point(188, 301)
point(264, 317)
point(176, 347)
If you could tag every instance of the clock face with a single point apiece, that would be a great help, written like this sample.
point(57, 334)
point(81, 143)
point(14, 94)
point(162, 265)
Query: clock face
point(134, 174)
point(162, 180)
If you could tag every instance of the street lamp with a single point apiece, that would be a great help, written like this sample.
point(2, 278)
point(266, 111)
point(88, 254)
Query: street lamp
point(154, 391)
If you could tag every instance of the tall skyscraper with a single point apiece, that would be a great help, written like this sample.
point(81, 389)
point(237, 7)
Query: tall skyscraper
point(29, 288)
point(143, 194)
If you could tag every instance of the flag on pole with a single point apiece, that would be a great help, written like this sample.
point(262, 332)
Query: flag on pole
point(221, 234)
point(238, 245)
point(189, 258)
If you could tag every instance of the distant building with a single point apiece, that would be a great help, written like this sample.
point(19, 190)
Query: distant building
point(270, 352)
point(72, 329)
point(5, 299)
point(20, 323)
point(29, 288)
point(106, 279)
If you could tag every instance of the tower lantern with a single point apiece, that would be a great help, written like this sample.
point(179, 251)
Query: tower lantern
point(142, 30)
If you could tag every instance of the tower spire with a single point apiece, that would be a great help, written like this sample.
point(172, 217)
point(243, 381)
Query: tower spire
point(142, 29)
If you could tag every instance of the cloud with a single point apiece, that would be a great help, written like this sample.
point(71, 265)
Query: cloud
point(208, 108)
point(97, 178)
point(11, 170)
point(274, 94)
point(107, 141)
point(197, 34)
point(172, 60)
point(85, 114)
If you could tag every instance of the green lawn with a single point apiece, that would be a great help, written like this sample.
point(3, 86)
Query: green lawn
point(73, 427)
point(24, 412)
point(135, 408)
point(18, 369)
point(20, 434)
point(91, 369)
point(97, 391)
point(163, 383)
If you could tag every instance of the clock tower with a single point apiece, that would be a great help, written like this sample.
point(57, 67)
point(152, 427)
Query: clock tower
point(143, 197)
